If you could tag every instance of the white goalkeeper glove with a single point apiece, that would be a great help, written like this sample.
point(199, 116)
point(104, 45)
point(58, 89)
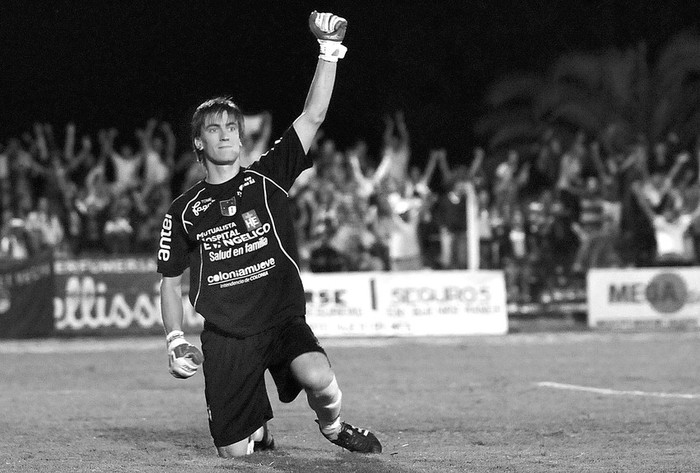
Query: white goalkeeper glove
point(183, 357)
point(329, 30)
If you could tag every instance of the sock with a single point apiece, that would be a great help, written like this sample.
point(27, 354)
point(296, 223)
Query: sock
point(331, 431)
point(326, 404)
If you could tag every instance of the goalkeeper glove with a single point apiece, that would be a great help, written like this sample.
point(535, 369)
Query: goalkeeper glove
point(329, 30)
point(183, 357)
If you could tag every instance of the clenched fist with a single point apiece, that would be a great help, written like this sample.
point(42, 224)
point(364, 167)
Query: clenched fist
point(327, 26)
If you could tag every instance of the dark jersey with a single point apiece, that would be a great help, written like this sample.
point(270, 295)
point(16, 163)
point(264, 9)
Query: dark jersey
point(238, 240)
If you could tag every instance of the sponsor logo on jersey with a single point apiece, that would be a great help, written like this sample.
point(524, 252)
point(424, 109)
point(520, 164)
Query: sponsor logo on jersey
point(201, 205)
point(247, 274)
point(232, 238)
point(218, 254)
point(216, 232)
point(246, 182)
point(251, 220)
point(166, 237)
point(228, 207)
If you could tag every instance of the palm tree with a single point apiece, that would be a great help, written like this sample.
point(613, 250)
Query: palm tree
point(675, 89)
point(601, 92)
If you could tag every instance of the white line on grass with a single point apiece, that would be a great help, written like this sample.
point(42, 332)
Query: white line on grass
point(614, 392)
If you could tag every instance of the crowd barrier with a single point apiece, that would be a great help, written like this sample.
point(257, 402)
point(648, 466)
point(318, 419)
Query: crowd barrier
point(644, 298)
point(26, 298)
point(120, 296)
point(412, 303)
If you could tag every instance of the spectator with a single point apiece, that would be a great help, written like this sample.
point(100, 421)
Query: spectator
point(256, 137)
point(576, 208)
point(671, 226)
point(146, 217)
point(118, 232)
point(46, 226)
point(157, 155)
point(396, 150)
point(79, 165)
point(15, 241)
point(451, 218)
point(189, 171)
point(396, 223)
point(122, 169)
point(510, 179)
point(91, 205)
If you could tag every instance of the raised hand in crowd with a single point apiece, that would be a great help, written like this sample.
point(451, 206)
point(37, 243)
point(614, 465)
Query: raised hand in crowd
point(256, 139)
point(170, 144)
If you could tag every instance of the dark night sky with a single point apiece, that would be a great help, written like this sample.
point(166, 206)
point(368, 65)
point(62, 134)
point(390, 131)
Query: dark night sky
point(116, 63)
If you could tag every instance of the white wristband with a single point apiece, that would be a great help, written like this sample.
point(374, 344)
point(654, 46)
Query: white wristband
point(173, 335)
point(331, 50)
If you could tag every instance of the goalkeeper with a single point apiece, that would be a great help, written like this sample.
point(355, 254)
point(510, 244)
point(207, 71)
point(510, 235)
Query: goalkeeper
point(234, 231)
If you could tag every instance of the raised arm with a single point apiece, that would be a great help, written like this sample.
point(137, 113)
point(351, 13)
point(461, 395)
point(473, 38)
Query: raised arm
point(402, 129)
point(40, 141)
point(598, 161)
point(145, 135)
point(642, 200)
point(383, 169)
point(106, 140)
point(445, 171)
point(69, 145)
point(329, 30)
point(170, 144)
point(477, 162)
point(429, 168)
point(366, 185)
point(681, 159)
point(389, 129)
point(51, 145)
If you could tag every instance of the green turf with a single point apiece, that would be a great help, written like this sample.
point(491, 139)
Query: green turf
point(467, 404)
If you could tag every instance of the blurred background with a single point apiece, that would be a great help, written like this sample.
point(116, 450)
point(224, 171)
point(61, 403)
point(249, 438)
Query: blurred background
point(563, 135)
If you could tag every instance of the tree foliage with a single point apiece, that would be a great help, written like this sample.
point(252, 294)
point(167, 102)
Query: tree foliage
point(599, 93)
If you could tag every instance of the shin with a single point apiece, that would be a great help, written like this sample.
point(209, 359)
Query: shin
point(326, 404)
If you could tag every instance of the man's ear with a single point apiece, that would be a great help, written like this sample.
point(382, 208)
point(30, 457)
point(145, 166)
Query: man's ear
point(198, 144)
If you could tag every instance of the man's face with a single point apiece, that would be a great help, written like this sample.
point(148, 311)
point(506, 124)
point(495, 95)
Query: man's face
point(219, 139)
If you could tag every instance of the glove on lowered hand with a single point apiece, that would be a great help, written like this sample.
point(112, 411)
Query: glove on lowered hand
point(183, 357)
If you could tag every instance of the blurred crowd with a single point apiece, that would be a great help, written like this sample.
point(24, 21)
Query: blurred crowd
point(544, 214)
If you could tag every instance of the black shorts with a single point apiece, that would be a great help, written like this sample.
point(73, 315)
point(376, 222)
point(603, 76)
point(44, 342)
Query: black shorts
point(234, 375)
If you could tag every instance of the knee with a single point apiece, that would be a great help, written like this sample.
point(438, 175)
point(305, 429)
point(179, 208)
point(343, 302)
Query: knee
point(238, 449)
point(242, 447)
point(312, 372)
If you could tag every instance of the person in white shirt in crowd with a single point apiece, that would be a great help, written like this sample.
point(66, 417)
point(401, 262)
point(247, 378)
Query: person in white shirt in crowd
point(46, 224)
point(396, 149)
point(122, 169)
point(397, 221)
point(157, 154)
point(671, 224)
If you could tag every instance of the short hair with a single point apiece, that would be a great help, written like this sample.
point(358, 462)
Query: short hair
point(214, 106)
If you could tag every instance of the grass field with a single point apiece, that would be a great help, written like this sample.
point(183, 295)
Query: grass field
point(438, 405)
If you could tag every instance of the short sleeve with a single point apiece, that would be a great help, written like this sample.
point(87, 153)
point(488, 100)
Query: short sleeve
point(284, 161)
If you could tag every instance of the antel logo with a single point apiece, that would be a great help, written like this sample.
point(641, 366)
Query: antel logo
point(667, 293)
